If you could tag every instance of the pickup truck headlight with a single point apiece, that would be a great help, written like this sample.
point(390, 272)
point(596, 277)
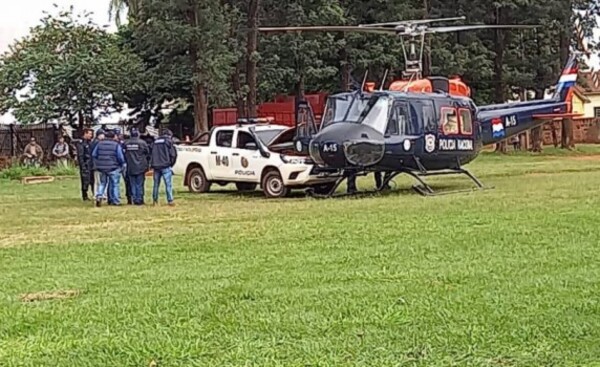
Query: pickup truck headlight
point(290, 159)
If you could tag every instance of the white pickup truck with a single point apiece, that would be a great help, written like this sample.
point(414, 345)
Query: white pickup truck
point(249, 156)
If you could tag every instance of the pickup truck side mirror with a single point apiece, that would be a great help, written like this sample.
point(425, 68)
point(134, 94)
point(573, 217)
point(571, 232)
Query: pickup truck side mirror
point(250, 146)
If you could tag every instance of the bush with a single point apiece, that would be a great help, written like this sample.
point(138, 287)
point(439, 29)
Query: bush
point(17, 172)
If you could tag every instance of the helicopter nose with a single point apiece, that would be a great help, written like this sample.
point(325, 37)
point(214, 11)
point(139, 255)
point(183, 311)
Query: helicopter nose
point(342, 145)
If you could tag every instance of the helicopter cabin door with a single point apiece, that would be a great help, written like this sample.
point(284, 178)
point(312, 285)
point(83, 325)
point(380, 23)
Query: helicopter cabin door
point(431, 125)
point(456, 127)
point(305, 127)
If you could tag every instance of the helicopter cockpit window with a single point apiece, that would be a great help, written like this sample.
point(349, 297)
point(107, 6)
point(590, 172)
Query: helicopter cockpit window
point(466, 122)
point(392, 127)
point(449, 121)
point(344, 108)
point(428, 112)
point(376, 113)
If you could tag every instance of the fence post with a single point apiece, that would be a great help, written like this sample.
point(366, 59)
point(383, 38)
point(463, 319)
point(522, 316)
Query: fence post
point(12, 140)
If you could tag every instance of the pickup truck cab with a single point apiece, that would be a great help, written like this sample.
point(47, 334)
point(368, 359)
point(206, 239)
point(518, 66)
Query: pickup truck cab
point(250, 156)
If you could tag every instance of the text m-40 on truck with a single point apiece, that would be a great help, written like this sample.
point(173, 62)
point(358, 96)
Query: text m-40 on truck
point(250, 156)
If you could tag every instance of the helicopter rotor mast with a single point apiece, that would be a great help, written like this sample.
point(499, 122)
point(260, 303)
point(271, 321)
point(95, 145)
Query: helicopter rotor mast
point(414, 30)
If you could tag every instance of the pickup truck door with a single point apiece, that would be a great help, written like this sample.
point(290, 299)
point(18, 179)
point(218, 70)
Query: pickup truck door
point(221, 154)
point(247, 162)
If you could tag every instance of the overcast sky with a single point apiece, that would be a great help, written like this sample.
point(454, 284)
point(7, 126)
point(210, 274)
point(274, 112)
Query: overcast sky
point(17, 16)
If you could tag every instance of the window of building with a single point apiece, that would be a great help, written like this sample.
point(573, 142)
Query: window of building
point(466, 122)
point(597, 112)
point(449, 121)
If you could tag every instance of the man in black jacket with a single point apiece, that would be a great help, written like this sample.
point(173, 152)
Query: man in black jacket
point(86, 165)
point(137, 155)
point(163, 159)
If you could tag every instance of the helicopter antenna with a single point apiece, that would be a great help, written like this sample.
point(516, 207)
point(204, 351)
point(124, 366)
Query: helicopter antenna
point(409, 81)
point(364, 82)
point(384, 79)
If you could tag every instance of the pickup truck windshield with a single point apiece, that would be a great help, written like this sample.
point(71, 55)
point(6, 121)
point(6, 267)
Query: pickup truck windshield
point(267, 136)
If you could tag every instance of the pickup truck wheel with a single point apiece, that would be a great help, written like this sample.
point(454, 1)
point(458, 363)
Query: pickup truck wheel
point(197, 181)
point(273, 186)
point(245, 186)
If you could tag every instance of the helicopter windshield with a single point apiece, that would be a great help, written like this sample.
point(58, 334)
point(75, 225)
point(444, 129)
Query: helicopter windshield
point(344, 108)
point(358, 108)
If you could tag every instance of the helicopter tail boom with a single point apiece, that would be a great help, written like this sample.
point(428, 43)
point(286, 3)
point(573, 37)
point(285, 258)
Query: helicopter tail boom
point(502, 121)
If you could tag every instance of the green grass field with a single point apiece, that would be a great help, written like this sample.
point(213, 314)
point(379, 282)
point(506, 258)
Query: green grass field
point(504, 277)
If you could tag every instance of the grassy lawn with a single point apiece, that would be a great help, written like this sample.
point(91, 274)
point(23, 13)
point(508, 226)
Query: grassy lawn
point(504, 277)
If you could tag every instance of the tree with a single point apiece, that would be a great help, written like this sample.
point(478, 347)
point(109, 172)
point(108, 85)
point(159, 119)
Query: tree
point(116, 8)
point(67, 67)
point(188, 43)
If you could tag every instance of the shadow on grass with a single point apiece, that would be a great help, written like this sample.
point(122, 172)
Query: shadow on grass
point(395, 191)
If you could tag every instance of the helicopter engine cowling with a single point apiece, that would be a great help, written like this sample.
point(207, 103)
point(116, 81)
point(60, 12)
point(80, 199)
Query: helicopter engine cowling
point(347, 145)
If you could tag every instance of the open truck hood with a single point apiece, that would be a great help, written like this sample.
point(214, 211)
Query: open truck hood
point(284, 142)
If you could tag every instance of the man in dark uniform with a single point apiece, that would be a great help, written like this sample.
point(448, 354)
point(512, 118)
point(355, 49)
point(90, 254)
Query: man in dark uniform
point(86, 165)
point(351, 188)
point(137, 155)
point(109, 160)
point(163, 159)
point(121, 139)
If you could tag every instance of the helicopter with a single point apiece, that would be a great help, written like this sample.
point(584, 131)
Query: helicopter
point(418, 133)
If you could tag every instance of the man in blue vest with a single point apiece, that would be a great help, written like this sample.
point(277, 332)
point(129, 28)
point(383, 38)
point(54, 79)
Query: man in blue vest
point(109, 160)
point(163, 159)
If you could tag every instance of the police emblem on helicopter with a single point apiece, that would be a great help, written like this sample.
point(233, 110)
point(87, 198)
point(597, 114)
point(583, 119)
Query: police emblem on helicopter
point(429, 143)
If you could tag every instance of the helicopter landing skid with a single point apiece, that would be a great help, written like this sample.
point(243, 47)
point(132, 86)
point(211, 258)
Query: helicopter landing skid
point(426, 190)
point(422, 188)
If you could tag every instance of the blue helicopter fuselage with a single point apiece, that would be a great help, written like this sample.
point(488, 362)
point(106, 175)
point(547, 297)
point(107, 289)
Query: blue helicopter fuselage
point(388, 131)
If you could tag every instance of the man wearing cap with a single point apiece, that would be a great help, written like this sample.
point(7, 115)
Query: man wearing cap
point(163, 159)
point(137, 155)
point(109, 160)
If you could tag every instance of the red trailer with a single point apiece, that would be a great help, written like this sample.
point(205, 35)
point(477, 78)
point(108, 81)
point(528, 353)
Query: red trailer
point(282, 110)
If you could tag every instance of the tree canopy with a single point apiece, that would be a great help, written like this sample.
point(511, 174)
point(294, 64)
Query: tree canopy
point(68, 69)
point(206, 53)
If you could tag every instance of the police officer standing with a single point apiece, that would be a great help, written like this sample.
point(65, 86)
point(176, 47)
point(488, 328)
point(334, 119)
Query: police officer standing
point(137, 155)
point(109, 160)
point(121, 139)
point(86, 164)
point(163, 159)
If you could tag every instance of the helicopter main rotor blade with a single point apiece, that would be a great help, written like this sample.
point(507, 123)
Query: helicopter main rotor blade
point(473, 27)
point(329, 29)
point(410, 22)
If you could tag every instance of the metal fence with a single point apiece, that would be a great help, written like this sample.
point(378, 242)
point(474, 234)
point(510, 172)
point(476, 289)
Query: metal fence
point(14, 138)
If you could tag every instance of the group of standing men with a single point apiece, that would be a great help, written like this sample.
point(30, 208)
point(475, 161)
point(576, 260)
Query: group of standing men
point(103, 160)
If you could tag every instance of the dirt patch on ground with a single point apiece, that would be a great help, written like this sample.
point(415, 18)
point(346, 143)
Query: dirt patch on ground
point(48, 296)
point(586, 158)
